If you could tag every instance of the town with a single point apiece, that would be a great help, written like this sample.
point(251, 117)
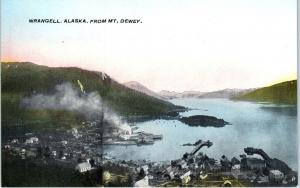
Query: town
point(82, 149)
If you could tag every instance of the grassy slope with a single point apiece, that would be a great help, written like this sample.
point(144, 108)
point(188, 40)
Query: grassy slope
point(25, 79)
point(282, 93)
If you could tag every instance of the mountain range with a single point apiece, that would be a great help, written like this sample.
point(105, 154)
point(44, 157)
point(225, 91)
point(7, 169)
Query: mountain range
point(164, 94)
point(281, 93)
point(21, 80)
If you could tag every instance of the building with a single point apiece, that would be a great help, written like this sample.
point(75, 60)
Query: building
point(185, 178)
point(182, 164)
point(28, 141)
point(83, 167)
point(15, 141)
point(235, 170)
point(31, 154)
point(226, 164)
point(236, 167)
point(255, 164)
point(276, 176)
point(23, 151)
point(142, 183)
point(64, 142)
point(32, 140)
point(74, 131)
point(235, 161)
point(170, 172)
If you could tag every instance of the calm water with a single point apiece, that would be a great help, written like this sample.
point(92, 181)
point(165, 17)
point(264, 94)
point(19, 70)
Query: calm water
point(269, 127)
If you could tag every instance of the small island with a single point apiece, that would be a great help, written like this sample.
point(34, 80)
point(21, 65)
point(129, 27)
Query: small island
point(204, 121)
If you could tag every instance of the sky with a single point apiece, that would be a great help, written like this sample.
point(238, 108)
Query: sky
point(201, 45)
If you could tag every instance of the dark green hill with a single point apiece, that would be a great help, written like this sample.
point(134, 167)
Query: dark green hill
point(26, 79)
point(281, 93)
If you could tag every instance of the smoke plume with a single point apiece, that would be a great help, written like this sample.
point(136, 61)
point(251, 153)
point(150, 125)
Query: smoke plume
point(66, 97)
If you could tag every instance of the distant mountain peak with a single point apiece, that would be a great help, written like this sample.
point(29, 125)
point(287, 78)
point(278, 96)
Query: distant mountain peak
point(224, 93)
point(143, 89)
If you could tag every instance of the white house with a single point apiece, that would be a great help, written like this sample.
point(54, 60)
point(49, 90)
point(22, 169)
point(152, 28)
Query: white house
point(28, 141)
point(83, 167)
point(185, 178)
point(276, 176)
point(75, 133)
point(32, 140)
point(142, 183)
point(23, 151)
point(64, 142)
point(14, 141)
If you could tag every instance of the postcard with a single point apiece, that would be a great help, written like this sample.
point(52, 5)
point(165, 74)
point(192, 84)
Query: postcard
point(129, 93)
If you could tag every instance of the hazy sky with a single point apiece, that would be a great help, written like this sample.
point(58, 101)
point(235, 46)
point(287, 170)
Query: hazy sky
point(180, 45)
